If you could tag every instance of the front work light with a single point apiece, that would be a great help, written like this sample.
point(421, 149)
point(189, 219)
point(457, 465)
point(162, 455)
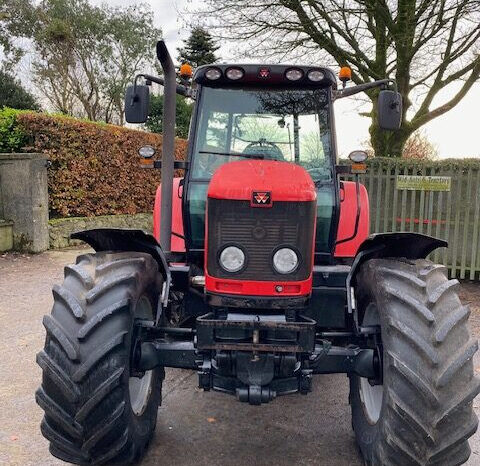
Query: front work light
point(315, 75)
point(213, 74)
point(146, 152)
point(294, 74)
point(358, 156)
point(232, 259)
point(285, 260)
point(235, 73)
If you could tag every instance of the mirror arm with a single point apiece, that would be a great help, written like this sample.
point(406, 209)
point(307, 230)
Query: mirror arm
point(343, 169)
point(181, 90)
point(177, 164)
point(134, 94)
point(347, 92)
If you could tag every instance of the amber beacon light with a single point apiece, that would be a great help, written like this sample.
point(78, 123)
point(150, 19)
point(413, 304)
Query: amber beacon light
point(345, 74)
point(186, 71)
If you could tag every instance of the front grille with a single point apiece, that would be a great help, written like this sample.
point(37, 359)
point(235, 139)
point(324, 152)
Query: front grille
point(259, 232)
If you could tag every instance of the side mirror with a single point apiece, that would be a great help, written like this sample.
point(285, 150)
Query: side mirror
point(137, 102)
point(389, 110)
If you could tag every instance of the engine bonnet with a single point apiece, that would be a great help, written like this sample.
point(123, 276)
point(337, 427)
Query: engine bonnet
point(241, 180)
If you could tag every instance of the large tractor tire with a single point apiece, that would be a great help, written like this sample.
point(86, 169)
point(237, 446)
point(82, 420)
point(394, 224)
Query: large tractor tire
point(95, 412)
point(422, 414)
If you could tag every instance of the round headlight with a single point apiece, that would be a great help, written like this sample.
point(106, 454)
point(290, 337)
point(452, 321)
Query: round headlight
point(232, 259)
point(234, 74)
point(294, 74)
point(147, 152)
point(358, 156)
point(213, 74)
point(285, 260)
point(315, 75)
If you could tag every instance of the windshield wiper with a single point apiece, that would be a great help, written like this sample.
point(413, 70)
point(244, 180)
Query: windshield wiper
point(230, 154)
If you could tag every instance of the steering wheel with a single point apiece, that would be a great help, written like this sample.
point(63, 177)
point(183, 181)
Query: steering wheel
point(269, 150)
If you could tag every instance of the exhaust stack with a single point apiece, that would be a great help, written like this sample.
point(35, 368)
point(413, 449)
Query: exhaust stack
point(168, 146)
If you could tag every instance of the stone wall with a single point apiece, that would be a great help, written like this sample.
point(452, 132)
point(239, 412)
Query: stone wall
point(24, 200)
point(61, 229)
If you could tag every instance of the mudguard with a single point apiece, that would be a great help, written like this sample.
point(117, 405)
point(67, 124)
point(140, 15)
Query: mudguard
point(407, 245)
point(117, 239)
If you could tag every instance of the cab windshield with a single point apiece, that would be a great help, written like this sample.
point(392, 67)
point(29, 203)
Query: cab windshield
point(280, 124)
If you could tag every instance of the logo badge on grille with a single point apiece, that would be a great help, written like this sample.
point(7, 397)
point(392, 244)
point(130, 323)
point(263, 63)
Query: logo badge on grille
point(262, 198)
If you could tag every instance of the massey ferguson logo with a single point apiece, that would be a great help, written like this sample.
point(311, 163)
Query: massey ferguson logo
point(264, 73)
point(262, 198)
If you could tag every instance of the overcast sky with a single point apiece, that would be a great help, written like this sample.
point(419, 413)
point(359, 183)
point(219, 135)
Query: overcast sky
point(455, 134)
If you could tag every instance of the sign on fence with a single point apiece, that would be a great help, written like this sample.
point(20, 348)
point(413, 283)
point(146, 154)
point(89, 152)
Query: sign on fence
point(424, 183)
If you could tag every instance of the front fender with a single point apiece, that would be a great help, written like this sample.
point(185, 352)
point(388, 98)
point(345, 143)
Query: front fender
point(117, 239)
point(408, 245)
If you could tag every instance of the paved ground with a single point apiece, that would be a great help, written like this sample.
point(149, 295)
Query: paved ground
point(194, 427)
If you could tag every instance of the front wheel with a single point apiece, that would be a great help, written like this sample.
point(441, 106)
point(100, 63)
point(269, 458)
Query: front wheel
point(421, 412)
point(96, 412)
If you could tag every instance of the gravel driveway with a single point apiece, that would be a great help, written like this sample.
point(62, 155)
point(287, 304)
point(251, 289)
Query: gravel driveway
point(194, 427)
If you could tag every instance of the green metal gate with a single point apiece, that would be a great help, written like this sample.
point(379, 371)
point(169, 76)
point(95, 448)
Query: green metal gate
point(404, 197)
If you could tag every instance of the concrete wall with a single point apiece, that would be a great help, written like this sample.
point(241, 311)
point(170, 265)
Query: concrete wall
point(61, 229)
point(24, 199)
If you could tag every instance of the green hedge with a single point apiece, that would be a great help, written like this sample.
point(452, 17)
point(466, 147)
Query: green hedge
point(94, 167)
point(12, 137)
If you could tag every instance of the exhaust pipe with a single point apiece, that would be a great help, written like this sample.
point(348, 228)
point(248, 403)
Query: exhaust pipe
point(168, 145)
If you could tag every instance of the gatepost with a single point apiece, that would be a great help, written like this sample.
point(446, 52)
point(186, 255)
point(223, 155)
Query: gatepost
point(24, 201)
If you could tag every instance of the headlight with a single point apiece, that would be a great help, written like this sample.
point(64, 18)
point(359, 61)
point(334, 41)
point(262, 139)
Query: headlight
point(358, 156)
point(232, 259)
point(147, 152)
point(285, 260)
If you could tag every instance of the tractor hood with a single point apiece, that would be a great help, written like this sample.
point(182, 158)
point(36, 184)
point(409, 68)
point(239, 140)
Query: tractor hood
point(262, 182)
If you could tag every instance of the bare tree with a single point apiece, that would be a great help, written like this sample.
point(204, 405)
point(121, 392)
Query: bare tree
point(417, 147)
point(84, 56)
point(425, 45)
point(15, 25)
point(55, 87)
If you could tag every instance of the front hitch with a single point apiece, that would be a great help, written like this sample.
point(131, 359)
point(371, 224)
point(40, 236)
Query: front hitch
point(254, 357)
point(256, 333)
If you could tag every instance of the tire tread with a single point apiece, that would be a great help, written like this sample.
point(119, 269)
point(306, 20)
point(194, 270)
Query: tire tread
point(84, 360)
point(429, 356)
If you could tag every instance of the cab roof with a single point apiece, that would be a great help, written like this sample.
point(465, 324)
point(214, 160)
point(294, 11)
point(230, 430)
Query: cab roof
point(264, 75)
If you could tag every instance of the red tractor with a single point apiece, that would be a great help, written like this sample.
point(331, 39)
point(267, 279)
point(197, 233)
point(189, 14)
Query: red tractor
point(260, 274)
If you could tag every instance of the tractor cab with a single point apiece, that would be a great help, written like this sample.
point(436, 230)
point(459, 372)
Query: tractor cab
point(253, 112)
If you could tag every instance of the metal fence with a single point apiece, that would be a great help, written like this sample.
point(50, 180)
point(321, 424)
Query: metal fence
point(404, 197)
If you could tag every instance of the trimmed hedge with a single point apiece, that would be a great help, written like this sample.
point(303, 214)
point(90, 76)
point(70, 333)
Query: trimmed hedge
point(94, 167)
